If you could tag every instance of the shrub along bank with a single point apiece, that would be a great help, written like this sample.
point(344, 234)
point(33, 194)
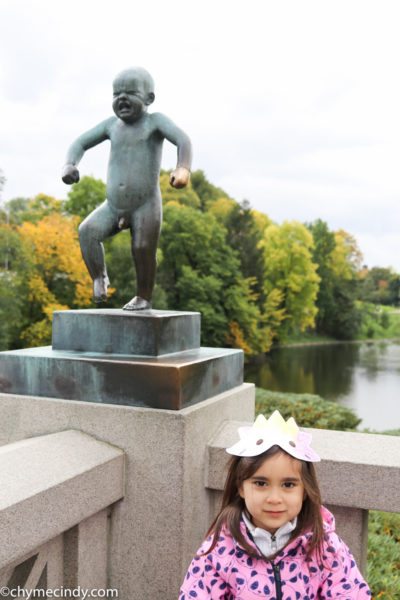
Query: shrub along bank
point(308, 410)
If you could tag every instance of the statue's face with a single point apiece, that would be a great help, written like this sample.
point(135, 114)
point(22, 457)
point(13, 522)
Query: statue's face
point(130, 98)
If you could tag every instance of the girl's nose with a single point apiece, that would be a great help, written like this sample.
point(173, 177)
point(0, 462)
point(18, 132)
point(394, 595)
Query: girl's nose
point(274, 496)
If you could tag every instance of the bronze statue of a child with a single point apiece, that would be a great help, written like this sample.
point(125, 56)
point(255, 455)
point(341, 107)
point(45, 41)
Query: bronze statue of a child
point(133, 192)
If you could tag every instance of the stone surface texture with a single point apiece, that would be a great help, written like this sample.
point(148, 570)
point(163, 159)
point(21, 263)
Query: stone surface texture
point(86, 553)
point(50, 556)
point(166, 509)
point(42, 476)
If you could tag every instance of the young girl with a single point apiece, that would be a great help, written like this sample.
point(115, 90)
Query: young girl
point(272, 538)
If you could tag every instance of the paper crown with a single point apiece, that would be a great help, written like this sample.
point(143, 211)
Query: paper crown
point(275, 431)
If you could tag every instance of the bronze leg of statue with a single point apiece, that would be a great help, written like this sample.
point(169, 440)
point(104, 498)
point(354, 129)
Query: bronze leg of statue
point(145, 230)
point(99, 225)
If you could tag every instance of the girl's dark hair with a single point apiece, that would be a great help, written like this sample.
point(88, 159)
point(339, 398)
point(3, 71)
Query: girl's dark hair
point(240, 469)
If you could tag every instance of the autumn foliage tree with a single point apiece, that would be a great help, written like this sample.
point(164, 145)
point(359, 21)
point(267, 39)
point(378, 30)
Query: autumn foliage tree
point(41, 269)
point(57, 277)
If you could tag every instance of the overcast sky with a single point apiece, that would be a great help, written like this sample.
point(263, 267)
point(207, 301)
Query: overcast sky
point(293, 105)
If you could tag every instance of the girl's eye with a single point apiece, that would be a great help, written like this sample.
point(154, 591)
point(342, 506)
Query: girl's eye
point(289, 484)
point(260, 483)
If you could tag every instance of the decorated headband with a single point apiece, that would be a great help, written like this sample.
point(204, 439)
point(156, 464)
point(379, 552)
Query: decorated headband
point(275, 431)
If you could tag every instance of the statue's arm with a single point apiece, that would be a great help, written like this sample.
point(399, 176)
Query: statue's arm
point(94, 136)
point(180, 176)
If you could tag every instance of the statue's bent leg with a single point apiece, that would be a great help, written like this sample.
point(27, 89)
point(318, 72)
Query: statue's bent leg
point(145, 229)
point(99, 225)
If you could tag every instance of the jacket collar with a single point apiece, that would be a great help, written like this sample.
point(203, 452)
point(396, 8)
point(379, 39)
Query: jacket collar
point(267, 543)
point(302, 539)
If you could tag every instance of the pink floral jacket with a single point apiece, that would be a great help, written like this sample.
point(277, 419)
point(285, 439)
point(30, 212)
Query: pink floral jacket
point(229, 573)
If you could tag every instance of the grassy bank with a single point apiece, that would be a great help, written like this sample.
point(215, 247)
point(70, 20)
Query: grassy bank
point(378, 322)
point(383, 568)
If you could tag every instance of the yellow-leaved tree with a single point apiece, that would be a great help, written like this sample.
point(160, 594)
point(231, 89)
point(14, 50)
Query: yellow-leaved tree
point(57, 278)
point(291, 275)
point(346, 256)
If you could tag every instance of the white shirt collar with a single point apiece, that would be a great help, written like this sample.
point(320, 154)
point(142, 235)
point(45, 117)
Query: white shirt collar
point(266, 542)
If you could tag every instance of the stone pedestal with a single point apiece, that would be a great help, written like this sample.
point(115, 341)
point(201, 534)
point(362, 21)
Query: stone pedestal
point(116, 331)
point(148, 358)
point(103, 372)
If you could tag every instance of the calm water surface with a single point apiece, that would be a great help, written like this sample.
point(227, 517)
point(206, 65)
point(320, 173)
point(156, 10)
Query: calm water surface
point(364, 377)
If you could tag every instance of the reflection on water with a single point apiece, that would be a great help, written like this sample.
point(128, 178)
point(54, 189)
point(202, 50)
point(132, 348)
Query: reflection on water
point(365, 377)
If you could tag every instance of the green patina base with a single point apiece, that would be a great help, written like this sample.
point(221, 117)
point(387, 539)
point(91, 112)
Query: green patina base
point(167, 380)
point(117, 331)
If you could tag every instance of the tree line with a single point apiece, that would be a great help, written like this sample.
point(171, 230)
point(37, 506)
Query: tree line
point(255, 282)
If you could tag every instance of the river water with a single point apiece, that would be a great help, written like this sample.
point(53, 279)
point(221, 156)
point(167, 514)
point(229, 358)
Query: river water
point(362, 376)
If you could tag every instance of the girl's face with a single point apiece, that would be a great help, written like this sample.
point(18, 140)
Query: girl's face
point(274, 494)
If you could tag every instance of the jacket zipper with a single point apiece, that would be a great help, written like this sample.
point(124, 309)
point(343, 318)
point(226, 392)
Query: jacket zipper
point(278, 581)
point(276, 569)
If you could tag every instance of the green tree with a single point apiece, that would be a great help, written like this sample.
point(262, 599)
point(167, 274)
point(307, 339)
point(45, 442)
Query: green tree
point(345, 320)
point(186, 196)
point(394, 290)
point(221, 209)
point(380, 285)
point(261, 220)
point(14, 269)
point(11, 211)
point(41, 206)
point(244, 236)
point(346, 264)
point(10, 310)
point(337, 257)
point(324, 245)
point(289, 268)
point(19, 210)
point(122, 273)
point(201, 272)
point(206, 191)
point(85, 196)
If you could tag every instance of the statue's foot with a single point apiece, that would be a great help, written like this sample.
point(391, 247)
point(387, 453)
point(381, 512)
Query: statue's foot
point(137, 303)
point(100, 285)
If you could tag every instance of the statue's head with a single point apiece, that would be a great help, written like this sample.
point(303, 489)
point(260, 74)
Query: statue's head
point(133, 93)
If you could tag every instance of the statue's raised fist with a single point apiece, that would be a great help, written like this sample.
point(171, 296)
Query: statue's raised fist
point(70, 174)
point(179, 178)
